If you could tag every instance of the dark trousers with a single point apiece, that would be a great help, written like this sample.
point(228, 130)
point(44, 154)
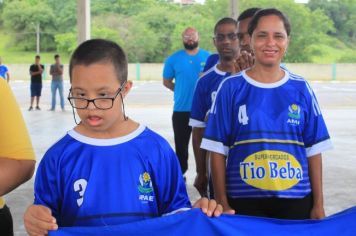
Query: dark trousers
point(280, 208)
point(182, 133)
point(6, 226)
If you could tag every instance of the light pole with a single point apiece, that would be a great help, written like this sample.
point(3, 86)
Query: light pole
point(38, 38)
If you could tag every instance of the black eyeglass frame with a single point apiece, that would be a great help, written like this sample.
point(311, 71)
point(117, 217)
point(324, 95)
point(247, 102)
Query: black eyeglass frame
point(222, 37)
point(72, 103)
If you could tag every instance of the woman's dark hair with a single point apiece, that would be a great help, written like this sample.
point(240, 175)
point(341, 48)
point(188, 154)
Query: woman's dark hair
point(100, 50)
point(267, 12)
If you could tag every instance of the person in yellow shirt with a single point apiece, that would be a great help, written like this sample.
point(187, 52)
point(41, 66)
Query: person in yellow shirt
point(17, 157)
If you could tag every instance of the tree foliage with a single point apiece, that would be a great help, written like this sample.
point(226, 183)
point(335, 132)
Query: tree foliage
point(149, 30)
point(343, 15)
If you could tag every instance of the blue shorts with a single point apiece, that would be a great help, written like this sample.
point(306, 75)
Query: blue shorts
point(36, 89)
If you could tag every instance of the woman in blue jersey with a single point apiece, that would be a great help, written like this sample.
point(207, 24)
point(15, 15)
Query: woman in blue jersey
point(109, 169)
point(267, 133)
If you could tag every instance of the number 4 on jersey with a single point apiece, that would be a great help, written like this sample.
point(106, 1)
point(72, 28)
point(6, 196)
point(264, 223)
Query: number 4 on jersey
point(243, 118)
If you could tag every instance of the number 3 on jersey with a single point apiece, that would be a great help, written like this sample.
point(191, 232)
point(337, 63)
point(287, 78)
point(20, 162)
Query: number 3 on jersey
point(242, 116)
point(79, 186)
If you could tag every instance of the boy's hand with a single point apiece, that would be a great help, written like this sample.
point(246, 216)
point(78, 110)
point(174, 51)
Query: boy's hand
point(211, 208)
point(38, 220)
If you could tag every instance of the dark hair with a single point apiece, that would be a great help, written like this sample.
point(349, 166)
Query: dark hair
point(223, 21)
point(249, 12)
point(37, 57)
point(100, 50)
point(56, 56)
point(267, 12)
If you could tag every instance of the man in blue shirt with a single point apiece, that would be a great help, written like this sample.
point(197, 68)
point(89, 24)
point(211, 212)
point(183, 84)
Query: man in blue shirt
point(180, 74)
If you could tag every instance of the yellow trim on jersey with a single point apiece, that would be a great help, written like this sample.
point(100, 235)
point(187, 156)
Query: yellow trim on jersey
point(2, 202)
point(265, 140)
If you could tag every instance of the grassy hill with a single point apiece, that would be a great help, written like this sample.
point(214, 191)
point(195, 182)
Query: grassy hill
point(10, 55)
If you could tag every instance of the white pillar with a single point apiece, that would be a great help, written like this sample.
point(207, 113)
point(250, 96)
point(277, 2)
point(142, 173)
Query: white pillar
point(83, 20)
point(234, 13)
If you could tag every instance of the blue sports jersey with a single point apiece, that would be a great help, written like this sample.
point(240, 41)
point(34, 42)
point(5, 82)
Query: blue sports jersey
point(96, 182)
point(3, 71)
point(212, 60)
point(204, 95)
point(185, 70)
point(267, 132)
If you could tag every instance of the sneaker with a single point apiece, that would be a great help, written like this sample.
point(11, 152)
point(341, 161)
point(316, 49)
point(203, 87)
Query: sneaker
point(52, 109)
point(38, 108)
point(30, 108)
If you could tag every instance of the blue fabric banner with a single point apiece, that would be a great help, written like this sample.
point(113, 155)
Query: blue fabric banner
point(194, 222)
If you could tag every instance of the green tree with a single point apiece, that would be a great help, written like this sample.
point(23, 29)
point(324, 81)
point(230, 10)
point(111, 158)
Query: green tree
point(309, 28)
point(343, 15)
point(21, 19)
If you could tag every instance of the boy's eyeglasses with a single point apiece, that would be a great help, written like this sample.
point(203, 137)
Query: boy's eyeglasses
point(100, 103)
point(222, 37)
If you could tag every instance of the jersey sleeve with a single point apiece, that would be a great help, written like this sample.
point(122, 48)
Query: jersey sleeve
point(168, 69)
point(211, 61)
point(15, 140)
point(199, 106)
point(172, 194)
point(316, 136)
point(46, 188)
point(217, 132)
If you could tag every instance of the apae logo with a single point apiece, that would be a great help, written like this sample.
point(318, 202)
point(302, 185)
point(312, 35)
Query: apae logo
point(145, 188)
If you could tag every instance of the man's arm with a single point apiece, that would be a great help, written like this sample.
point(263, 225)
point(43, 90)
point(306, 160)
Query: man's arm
point(168, 83)
point(14, 173)
point(7, 76)
point(315, 175)
point(51, 70)
point(32, 73)
point(60, 69)
point(201, 180)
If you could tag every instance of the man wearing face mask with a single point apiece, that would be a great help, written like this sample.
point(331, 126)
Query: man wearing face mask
point(180, 74)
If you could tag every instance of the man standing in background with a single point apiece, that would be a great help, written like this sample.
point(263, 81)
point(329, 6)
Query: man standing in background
point(56, 71)
point(180, 74)
point(4, 71)
point(36, 82)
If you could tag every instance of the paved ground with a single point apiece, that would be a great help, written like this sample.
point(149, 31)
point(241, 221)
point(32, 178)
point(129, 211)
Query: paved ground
point(151, 104)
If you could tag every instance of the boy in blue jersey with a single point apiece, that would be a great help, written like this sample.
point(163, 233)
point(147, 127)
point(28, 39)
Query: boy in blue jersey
point(4, 71)
point(245, 58)
point(109, 169)
point(226, 43)
point(266, 133)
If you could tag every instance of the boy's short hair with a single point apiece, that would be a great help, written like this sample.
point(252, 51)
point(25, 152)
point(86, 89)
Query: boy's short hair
point(100, 50)
point(56, 56)
point(224, 21)
point(248, 13)
point(37, 57)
